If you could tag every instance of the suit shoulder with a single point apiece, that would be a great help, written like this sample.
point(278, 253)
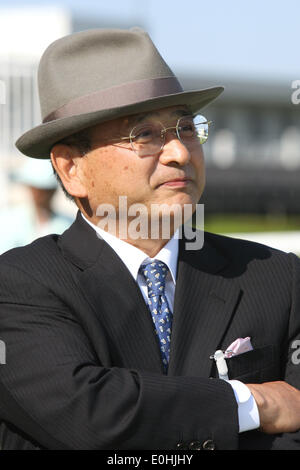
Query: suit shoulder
point(36, 275)
point(38, 250)
point(239, 249)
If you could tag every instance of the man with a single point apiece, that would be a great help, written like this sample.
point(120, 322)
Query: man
point(110, 339)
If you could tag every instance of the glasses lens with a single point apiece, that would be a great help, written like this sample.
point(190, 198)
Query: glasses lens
point(186, 128)
point(193, 128)
point(202, 126)
point(146, 139)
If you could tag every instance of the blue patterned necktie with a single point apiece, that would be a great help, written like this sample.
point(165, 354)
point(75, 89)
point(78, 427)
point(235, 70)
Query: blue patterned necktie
point(155, 275)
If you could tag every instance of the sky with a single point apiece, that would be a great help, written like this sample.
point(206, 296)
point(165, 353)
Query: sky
point(257, 39)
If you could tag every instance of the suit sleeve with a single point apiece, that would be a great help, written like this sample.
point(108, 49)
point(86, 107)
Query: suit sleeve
point(291, 441)
point(290, 373)
point(56, 392)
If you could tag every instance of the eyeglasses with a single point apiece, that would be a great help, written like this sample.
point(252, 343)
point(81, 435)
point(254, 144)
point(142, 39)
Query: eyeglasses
point(148, 139)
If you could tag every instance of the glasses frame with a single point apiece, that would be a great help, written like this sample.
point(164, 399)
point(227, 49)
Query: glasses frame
point(164, 130)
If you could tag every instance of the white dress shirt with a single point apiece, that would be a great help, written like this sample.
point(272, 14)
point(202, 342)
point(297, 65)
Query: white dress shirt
point(133, 258)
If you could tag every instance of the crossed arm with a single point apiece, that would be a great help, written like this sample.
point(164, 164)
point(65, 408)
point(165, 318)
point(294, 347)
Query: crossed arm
point(54, 389)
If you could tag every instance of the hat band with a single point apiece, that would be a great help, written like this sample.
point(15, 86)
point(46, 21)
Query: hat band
point(117, 96)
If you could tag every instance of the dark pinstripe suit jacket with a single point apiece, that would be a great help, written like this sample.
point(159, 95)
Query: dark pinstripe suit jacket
point(83, 368)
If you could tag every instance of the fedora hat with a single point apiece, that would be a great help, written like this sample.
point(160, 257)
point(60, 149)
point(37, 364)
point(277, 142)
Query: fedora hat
point(98, 75)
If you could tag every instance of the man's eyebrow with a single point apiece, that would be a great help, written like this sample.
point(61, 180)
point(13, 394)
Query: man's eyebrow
point(181, 112)
point(141, 117)
point(177, 113)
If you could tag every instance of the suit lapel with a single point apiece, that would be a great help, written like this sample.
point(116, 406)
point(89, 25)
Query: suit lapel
point(204, 305)
point(118, 302)
point(114, 296)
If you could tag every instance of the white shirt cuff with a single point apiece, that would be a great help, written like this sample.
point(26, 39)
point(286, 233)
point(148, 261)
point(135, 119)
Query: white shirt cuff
point(248, 414)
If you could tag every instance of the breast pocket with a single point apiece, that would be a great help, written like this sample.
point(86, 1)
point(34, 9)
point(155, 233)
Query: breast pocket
point(256, 366)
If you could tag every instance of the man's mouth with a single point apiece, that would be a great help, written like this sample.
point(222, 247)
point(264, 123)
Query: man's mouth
point(177, 182)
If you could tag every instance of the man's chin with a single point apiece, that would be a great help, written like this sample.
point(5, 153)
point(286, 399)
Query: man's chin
point(180, 199)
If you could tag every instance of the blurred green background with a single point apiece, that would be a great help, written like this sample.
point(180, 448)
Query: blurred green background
point(251, 223)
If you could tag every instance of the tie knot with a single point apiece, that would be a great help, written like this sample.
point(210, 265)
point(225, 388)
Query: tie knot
point(155, 275)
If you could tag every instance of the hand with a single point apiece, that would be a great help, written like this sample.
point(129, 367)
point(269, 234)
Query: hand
point(278, 405)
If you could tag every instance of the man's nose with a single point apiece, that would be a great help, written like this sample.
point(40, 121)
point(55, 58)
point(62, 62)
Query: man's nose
point(174, 150)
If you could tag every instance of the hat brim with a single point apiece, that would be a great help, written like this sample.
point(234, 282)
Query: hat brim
point(37, 142)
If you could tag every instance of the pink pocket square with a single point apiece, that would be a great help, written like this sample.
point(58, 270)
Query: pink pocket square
point(239, 346)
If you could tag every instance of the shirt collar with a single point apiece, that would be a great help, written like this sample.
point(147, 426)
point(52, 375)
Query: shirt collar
point(133, 257)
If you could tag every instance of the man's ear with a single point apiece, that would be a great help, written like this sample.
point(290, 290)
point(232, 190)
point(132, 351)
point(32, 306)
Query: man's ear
point(65, 160)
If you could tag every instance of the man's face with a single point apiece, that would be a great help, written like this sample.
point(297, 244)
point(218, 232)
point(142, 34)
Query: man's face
point(176, 175)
